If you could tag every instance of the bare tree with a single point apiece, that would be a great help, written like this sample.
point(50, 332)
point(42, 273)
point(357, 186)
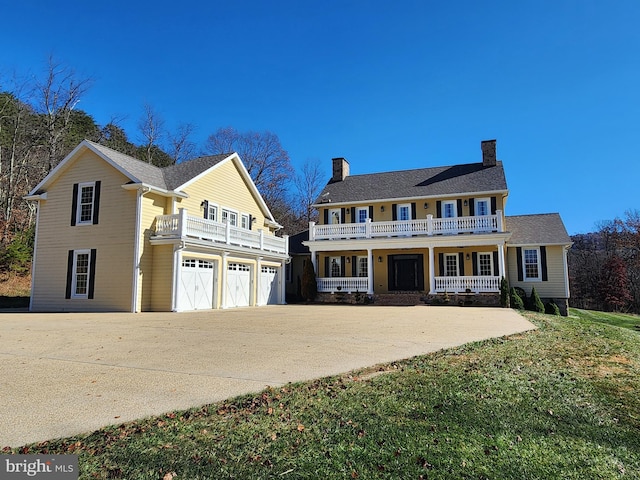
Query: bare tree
point(181, 147)
point(263, 156)
point(151, 127)
point(309, 183)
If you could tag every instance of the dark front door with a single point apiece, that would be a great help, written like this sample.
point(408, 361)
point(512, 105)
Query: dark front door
point(406, 272)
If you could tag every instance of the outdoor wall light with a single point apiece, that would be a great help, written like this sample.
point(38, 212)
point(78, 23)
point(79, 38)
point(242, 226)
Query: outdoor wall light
point(466, 202)
point(348, 260)
point(468, 257)
point(382, 208)
point(426, 205)
point(379, 259)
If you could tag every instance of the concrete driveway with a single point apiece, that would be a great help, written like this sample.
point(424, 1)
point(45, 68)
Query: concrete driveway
point(64, 374)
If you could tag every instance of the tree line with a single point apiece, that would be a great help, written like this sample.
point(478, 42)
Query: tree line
point(40, 124)
point(604, 266)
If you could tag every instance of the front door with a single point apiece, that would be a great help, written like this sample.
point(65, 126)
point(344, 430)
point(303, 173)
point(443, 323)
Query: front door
point(406, 272)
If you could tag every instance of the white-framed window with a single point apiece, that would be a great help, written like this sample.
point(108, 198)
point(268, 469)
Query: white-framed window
point(335, 216)
point(449, 209)
point(81, 274)
point(229, 216)
point(335, 267)
point(531, 264)
point(451, 264)
point(86, 203)
point(362, 214)
point(482, 206)
point(245, 221)
point(212, 212)
point(363, 264)
point(485, 264)
point(404, 211)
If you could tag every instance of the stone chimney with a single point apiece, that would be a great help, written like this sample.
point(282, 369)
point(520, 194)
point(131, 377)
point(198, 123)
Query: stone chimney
point(340, 169)
point(488, 153)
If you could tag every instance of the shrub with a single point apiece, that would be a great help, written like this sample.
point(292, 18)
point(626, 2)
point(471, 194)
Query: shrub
point(309, 287)
point(552, 309)
point(504, 293)
point(535, 304)
point(516, 300)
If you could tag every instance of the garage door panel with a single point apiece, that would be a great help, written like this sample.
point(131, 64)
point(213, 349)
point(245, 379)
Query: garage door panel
point(196, 285)
point(238, 285)
point(268, 288)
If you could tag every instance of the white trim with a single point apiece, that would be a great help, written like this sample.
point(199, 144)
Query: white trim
point(78, 211)
point(399, 207)
point(33, 260)
point(455, 208)
point(525, 278)
point(353, 203)
point(357, 215)
point(482, 199)
point(565, 252)
point(74, 274)
point(335, 212)
point(160, 191)
point(452, 255)
point(491, 265)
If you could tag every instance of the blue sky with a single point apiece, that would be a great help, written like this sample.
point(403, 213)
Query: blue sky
point(389, 85)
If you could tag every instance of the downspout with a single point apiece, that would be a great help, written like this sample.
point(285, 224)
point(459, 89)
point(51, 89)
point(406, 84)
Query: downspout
point(33, 260)
point(136, 249)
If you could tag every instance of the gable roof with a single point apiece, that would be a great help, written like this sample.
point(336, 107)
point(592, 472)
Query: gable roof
point(539, 229)
point(422, 182)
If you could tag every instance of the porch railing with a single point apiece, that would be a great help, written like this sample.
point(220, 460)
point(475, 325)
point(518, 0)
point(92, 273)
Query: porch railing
point(462, 284)
point(343, 284)
point(402, 228)
point(186, 226)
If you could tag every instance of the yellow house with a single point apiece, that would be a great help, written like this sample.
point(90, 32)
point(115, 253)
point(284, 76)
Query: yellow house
point(114, 233)
point(436, 234)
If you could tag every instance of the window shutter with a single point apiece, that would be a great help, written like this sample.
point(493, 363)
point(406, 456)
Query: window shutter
point(250, 222)
point(474, 260)
point(342, 218)
point(438, 209)
point(354, 266)
point(543, 263)
point(326, 216)
point(519, 263)
point(69, 273)
point(353, 214)
point(92, 273)
point(472, 207)
point(96, 202)
point(206, 208)
point(494, 204)
point(327, 270)
point(441, 264)
point(459, 207)
point(343, 266)
point(496, 272)
point(413, 211)
point(371, 212)
point(461, 266)
point(74, 207)
point(394, 211)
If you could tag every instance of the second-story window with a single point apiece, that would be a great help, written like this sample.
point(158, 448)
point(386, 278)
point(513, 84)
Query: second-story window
point(86, 199)
point(229, 217)
point(362, 215)
point(404, 212)
point(212, 213)
point(482, 206)
point(334, 216)
point(449, 209)
point(245, 221)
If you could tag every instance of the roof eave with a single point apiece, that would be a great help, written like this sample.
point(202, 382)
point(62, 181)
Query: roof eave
point(404, 199)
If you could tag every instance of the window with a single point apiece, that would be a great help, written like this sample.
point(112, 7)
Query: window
point(449, 209)
point(212, 212)
point(334, 216)
point(363, 270)
point(485, 264)
point(245, 221)
point(404, 212)
point(229, 217)
point(531, 263)
point(482, 206)
point(86, 197)
point(451, 265)
point(334, 266)
point(362, 215)
point(81, 274)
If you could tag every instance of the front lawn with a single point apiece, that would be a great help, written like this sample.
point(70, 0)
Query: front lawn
point(557, 402)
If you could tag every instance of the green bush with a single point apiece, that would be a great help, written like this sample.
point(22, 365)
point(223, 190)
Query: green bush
point(535, 304)
point(309, 287)
point(16, 257)
point(504, 293)
point(552, 309)
point(516, 300)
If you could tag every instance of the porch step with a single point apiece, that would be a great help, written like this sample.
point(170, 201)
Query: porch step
point(399, 298)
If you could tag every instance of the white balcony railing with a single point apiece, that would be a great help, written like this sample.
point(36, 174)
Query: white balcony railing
point(407, 228)
point(186, 226)
point(462, 284)
point(343, 284)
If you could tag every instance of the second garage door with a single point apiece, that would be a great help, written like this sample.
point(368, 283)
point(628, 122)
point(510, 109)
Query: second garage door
point(238, 285)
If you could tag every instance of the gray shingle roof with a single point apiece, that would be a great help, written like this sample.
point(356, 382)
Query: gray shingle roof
point(179, 174)
point(540, 229)
point(422, 182)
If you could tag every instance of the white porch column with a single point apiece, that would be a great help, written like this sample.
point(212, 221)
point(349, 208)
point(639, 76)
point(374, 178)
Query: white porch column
point(312, 231)
point(501, 272)
point(177, 269)
point(257, 280)
point(282, 282)
point(314, 261)
point(432, 272)
point(370, 266)
point(223, 280)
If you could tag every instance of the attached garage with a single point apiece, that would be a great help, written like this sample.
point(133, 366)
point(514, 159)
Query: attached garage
point(195, 291)
point(268, 286)
point(238, 287)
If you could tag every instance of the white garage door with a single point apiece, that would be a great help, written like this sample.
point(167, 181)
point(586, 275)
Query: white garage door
point(268, 288)
point(238, 285)
point(196, 285)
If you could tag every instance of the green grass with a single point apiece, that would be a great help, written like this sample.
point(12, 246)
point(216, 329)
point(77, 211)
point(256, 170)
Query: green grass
point(557, 402)
point(618, 319)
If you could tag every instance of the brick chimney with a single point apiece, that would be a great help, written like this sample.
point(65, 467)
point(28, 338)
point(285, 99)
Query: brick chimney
point(340, 169)
point(488, 153)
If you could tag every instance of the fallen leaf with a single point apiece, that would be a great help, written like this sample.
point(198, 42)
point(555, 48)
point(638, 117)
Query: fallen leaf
point(300, 427)
point(169, 476)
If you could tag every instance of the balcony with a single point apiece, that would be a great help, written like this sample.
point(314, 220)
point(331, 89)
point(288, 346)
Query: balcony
point(343, 284)
point(407, 228)
point(185, 226)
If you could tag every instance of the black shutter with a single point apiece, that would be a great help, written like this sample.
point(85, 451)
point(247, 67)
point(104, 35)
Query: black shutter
point(96, 202)
point(441, 264)
point(353, 214)
point(342, 219)
point(494, 204)
point(413, 211)
point(69, 274)
point(206, 209)
point(543, 263)
point(460, 207)
point(474, 259)
point(326, 216)
point(327, 271)
point(472, 207)
point(438, 209)
point(371, 212)
point(394, 212)
point(519, 263)
point(74, 207)
point(343, 266)
point(354, 266)
point(92, 273)
point(391, 285)
point(461, 266)
point(496, 271)
point(250, 222)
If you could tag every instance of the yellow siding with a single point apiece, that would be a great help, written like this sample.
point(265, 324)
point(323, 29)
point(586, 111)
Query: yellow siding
point(162, 284)
point(113, 238)
point(554, 287)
